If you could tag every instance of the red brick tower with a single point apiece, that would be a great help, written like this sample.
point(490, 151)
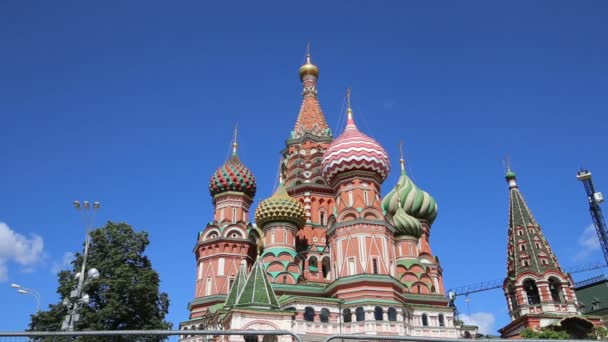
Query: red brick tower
point(224, 242)
point(301, 170)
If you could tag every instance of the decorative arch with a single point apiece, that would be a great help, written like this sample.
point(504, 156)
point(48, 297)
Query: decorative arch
point(348, 215)
point(251, 324)
point(371, 214)
point(211, 233)
point(232, 230)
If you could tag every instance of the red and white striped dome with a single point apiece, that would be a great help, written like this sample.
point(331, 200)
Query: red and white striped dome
point(354, 151)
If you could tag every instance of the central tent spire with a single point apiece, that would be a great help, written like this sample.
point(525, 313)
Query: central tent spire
point(310, 119)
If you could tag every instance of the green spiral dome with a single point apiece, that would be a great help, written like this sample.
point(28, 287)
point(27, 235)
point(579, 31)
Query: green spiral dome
point(414, 202)
point(280, 207)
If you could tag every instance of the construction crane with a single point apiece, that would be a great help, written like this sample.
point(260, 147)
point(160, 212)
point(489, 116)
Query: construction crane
point(595, 198)
point(497, 283)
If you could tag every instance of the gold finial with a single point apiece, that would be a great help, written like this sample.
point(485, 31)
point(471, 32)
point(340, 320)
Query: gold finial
point(308, 68)
point(234, 143)
point(349, 111)
point(401, 160)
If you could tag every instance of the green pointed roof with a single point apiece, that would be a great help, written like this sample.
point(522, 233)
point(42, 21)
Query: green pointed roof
point(257, 292)
point(527, 243)
point(237, 286)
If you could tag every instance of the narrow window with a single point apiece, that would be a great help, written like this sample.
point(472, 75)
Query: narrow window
point(537, 245)
point(392, 314)
point(378, 313)
point(375, 266)
point(220, 267)
point(233, 215)
point(425, 320)
point(347, 317)
point(222, 214)
point(522, 247)
point(200, 270)
point(208, 287)
point(520, 233)
point(360, 313)
point(272, 237)
point(309, 314)
point(324, 315)
point(285, 238)
point(441, 320)
point(351, 266)
point(350, 198)
point(322, 218)
point(230, 283)
point(365, 197)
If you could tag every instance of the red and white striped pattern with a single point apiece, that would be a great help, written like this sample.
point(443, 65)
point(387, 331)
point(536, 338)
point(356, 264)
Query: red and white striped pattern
point(353, 151)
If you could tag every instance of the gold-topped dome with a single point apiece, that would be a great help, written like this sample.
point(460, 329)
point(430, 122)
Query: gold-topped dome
point(280, 207)
point(308, 68)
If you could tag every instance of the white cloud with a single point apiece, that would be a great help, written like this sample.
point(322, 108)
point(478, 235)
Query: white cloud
point(65, 262)
point(484, 320)
point(19, 249)
point(587, 242)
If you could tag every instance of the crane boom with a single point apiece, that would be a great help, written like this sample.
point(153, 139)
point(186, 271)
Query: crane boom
point(595, 198)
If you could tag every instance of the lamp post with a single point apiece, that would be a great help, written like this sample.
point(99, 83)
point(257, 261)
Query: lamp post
point(24, 290)
point(77, 297)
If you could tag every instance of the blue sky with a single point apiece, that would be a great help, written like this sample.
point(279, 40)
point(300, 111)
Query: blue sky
point(133, 104)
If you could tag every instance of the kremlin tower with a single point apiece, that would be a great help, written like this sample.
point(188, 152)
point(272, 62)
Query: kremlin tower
point(538, 291)
point(327, 254)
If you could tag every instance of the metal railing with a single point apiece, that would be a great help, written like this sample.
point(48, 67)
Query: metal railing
point(134, 335)
point(160, 335)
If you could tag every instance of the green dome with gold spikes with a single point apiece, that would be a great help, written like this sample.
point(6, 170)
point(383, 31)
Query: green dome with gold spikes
point(280, 207)
point(414, 201)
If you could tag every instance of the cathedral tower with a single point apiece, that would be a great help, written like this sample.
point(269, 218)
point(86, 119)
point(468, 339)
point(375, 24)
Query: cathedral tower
point(412, 212)
point(301, 170)
point(535, 286)
point(225, 242)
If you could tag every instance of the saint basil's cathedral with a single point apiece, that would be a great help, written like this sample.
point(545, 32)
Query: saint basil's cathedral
point(327, 254)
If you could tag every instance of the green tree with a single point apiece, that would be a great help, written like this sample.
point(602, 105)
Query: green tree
point(125, 296)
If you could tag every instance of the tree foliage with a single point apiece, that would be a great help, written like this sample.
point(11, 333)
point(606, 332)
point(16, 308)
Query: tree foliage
point(125, 296)
point(568, 328)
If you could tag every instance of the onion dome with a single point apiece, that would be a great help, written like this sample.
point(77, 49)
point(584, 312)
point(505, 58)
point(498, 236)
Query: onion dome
point(308, 68)
point(280, 207)
point(414, 201)
point(354, 151)
point(233, 176)
point(406, 224)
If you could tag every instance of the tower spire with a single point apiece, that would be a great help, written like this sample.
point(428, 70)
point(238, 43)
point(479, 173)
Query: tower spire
point(350, 121)
point(401, 160)
point(234, 139)
point(310, 119)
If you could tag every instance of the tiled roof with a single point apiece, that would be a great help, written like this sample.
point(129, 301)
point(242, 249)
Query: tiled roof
point(257, 292)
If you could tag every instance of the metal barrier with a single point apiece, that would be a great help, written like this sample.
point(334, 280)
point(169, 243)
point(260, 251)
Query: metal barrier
point(418, 339)
point(133, 335)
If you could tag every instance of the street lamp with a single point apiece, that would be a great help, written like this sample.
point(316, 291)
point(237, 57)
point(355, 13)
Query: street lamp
point(24, 290)
point(77, 297)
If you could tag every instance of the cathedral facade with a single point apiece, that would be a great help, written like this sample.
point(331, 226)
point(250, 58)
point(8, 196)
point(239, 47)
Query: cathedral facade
point(327, 253)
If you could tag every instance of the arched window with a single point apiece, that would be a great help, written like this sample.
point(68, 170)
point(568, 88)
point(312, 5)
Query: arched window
point(324, 315)
point(425, 320)
point(309, 314)
point(360, 313)
point(513, 296)
point(555, 287)
point(522, 247)
point(378, 313)
point(347, 317)
point(392, 314)
point(312, 263)
point(532, 292)
point(441, 320)
point(325, 268)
